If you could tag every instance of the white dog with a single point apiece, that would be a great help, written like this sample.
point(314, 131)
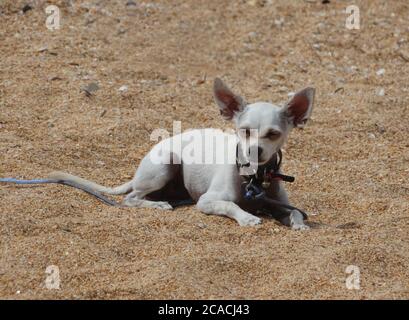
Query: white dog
point(261, 130)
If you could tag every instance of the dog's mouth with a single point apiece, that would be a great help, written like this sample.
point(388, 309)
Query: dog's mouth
point(263, 160)
point(256, 161)
point(253, 159)
point(259, 162)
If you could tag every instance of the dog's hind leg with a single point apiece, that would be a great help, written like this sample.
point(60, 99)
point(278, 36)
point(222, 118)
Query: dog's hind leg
point(150, 177)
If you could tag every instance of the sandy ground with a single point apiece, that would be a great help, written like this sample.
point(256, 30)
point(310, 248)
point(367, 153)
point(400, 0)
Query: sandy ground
point(350, 162)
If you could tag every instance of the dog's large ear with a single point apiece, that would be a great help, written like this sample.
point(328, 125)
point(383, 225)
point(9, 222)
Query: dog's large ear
point(299, 108)
point(228, 102)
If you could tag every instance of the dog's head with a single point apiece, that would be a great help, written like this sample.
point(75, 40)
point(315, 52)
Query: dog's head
point(262, 127)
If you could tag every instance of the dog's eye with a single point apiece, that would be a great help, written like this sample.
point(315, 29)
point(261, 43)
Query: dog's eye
point(272, 134)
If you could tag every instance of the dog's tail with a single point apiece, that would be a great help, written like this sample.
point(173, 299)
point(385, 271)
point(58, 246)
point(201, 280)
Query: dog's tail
point(58, 175)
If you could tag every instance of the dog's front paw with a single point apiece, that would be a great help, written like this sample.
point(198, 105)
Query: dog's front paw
point(249, 220)
point(297, 221)
point(162, 205)
point(300, 227)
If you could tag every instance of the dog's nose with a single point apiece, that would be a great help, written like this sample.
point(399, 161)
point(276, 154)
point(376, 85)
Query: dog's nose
point(255, 151)
point(259, 151)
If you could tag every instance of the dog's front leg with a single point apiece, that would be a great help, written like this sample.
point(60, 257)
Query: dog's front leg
point(295, 220)
point(290, 218)
point(210, 205)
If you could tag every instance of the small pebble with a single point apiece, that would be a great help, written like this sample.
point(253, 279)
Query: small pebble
point(89, 89)
point(26, 8)
point(123, 88)
point(381, 129)
point(380, 72)
point(131, 3)
point(381, 92)
point(279, 22)
point(404, 55)
point(42, 49)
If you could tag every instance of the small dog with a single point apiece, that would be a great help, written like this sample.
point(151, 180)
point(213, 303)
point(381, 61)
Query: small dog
point(261, 130)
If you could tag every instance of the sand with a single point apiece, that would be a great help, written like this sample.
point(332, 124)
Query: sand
point(350, 161)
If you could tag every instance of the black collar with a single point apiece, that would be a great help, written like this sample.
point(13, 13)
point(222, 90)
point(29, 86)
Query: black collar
point(266, 172)
point(253, 185)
